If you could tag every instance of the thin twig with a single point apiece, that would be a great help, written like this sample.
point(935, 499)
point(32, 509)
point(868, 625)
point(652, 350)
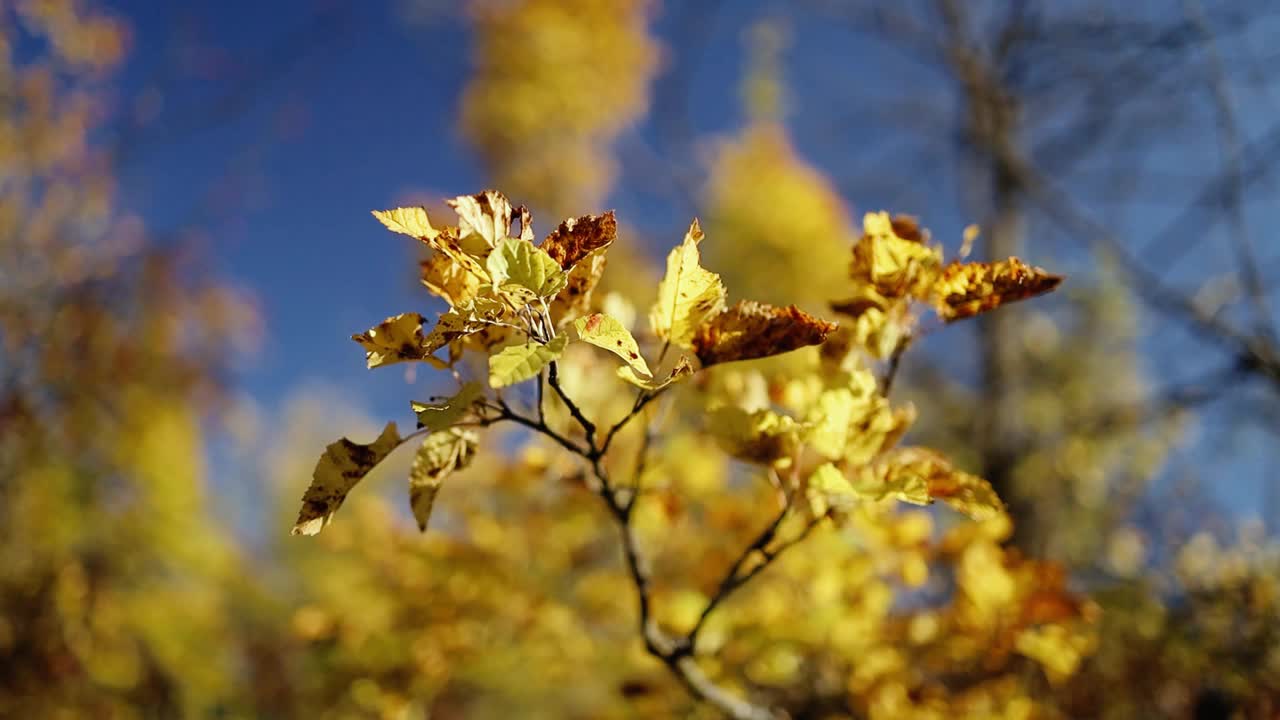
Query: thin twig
point(734, 578)
point(588, 427)
point(895, 360)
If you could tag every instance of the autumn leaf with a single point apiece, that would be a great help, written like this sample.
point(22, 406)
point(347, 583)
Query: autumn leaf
point(828, 489)
point(878, 323)
point(519, 263)
point(521, 362)
point(449, 280)
point(750, 330)
point(411, 221)
point(892, 257)
point(576, 238)
point(440, 455)
point(688, 296)
point(679, 371)
point(828, 422)
point(759, 436)
point(966, 289)
point(607, 332)
point(442, 415)
point(463, 320)
point(343, 465)
point(486, 215)
point(443, 241)
point(575, 299)
point(920, 476)
point(394, 340)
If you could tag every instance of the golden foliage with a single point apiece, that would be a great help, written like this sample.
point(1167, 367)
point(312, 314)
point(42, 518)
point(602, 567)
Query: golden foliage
point(554, 84)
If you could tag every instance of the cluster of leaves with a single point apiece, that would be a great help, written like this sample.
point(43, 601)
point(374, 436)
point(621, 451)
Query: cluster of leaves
point(895, 267)
point(826, 439)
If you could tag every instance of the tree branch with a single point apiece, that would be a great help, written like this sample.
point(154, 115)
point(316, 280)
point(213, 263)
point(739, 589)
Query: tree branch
point(675, 654)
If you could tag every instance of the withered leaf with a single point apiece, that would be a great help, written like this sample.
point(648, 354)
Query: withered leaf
point(343, 465)
point(750, 330)
point(576, 238)
point(966, 289)
point(575, 299)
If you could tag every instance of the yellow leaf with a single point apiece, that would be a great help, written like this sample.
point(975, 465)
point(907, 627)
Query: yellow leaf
point(521, 362)
point(606, 332)
point(751, 330)
point(461, 321)
point(681, 370)
point(486, 215)
point(966, 289)
point(442, 415)
point(518, 262)
point(1057, 648)
point(761, 436)
point(893, 257)
point(688, 296)
point(828, 489)
point(920, 476)
point(449, 280)
point(411, 221)
point(440, 454)
point(576, 238)
point(828, 421)
point(394, 340)
point(340, 468)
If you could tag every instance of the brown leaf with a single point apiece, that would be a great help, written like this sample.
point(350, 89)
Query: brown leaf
point(750, 330)
point(575, 299)
point(966, 289)
point(577, 238)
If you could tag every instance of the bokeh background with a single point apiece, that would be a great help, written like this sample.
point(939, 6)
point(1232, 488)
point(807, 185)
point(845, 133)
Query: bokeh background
point(185, 246)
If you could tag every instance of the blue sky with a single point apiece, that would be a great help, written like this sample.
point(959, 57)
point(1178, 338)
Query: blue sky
point(277, 133)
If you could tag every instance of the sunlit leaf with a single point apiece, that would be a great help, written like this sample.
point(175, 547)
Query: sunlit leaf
point(440, 454)
point(411, 221)
point(486, 215)
point(688, 296)
point(340, 468)
point(518, 262)
point(829, 421)
point(463, 320)
point(607, 332)
point(449, 280)
point(828, 489)
point(521, 362)
point(893, 257)
point(966, 289)
point(920, 476)
point(750, 330)
point(681, 370)
point(576, 238)
point(442, 415)
point(394, 340)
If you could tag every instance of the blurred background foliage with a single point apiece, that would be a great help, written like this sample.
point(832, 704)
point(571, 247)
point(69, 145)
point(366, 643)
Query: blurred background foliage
point(142, 576)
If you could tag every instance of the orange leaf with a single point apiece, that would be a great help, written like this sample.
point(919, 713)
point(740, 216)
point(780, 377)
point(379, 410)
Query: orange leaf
point(578, 237)
point(966, 289)
point(752, 330)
